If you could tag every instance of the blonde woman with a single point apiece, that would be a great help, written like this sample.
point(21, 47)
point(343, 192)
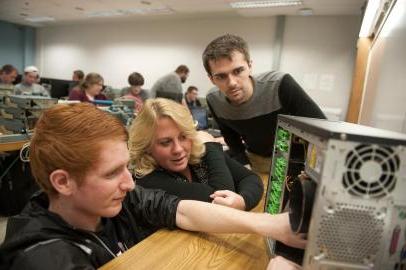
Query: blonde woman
point(168, 153)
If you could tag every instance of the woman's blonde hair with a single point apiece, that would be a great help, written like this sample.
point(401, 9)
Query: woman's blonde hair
point(142, 133)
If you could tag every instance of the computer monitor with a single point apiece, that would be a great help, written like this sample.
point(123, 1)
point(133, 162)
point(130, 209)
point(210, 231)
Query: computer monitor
point(59, 88)
point(200, 115)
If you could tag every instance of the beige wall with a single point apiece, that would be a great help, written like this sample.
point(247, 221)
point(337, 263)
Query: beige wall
point(153, 49)
point(318, 51)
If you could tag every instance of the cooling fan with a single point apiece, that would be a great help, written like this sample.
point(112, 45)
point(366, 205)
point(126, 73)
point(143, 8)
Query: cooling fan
point(371, 171)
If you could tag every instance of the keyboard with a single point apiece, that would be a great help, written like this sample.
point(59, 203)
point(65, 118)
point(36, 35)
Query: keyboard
point(214, 132)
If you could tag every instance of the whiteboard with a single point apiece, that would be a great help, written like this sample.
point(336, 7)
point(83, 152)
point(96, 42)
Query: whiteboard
point(384, 100)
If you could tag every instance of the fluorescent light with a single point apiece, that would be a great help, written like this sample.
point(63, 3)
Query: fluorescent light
point(127, 12)
point(148, 10)
point(40, 19)
point(266, 3)
point(305, 11)
point(107, 13)
point(369, 19)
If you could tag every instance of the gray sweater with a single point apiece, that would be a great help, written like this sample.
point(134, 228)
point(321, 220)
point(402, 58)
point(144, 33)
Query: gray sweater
point(34, 89)
point(169, 83)
point(251, 125)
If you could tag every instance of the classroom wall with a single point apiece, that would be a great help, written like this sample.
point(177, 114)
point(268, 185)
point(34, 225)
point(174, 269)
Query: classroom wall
point(154, 48)
point(324, 46)
point(383, 104)
point(319, 52)
point(17, 46)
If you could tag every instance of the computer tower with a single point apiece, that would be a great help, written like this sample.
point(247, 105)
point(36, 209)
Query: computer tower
point(345, 186)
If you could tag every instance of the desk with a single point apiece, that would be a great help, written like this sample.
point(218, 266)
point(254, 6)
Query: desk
point(12, 142)
point(12, 146)
point(188, 250)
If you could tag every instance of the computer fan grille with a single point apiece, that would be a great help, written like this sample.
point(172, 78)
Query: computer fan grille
point(370, 171)
point(350, 233)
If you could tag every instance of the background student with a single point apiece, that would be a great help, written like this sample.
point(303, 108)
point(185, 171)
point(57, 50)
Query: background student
point(135, 91)
point(29, 85)
point(170, 85)
point(90, 89)
point(191, 98)
point(8, 74)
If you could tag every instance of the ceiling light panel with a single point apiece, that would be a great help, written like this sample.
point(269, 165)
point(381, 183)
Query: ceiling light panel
point(40, 19)
point(265, 4)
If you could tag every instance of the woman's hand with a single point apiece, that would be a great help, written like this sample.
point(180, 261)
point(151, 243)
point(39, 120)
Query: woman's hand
point(204, 137)
point(228, 198)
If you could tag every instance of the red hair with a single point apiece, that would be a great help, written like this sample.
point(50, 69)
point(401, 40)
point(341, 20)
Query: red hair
point(70, 137)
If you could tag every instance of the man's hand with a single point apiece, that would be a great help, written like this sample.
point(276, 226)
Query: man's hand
point(279, 262)
point(228, 198)
point(283, 232)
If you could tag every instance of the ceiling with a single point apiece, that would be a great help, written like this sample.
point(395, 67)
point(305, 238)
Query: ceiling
point(67, 12)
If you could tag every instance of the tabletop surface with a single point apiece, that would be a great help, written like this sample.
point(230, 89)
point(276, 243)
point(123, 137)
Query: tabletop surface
point(180, 249)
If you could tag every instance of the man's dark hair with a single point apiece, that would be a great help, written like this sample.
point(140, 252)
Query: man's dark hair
point(7, 69)
point(191, 88)
point(182, 69)
point(223, 47)
point(79, 73)
point(136, 79)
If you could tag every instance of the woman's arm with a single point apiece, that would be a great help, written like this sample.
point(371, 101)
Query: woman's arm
point(248, 184)
point(169, 183)
point(220, 177)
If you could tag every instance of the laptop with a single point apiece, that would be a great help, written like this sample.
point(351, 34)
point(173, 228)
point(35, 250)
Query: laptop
point(200, 115)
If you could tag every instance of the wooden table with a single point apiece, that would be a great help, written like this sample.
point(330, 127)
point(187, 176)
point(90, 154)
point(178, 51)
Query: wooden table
point(12, 146)
point(12, 142)
point(188, 250)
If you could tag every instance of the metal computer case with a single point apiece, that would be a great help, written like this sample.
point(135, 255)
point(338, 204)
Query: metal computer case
point(358, 219)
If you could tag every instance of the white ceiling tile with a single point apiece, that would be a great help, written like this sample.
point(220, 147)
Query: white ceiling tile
point(74, 11)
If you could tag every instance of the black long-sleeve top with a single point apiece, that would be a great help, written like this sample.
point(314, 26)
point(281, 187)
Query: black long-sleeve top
point(216, 171)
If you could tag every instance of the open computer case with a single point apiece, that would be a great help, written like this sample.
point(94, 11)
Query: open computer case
point(345, 186)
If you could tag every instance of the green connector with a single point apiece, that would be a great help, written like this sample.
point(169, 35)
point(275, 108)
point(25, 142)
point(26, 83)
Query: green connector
point(282, 134)
point(283, 146)
point(281, 161)
point(275, 195)
point(275, 209)
point(279, 171)
point(277, 187)
point(282, 140)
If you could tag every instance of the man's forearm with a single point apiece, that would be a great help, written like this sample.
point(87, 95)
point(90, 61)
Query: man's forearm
point(206, 217)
